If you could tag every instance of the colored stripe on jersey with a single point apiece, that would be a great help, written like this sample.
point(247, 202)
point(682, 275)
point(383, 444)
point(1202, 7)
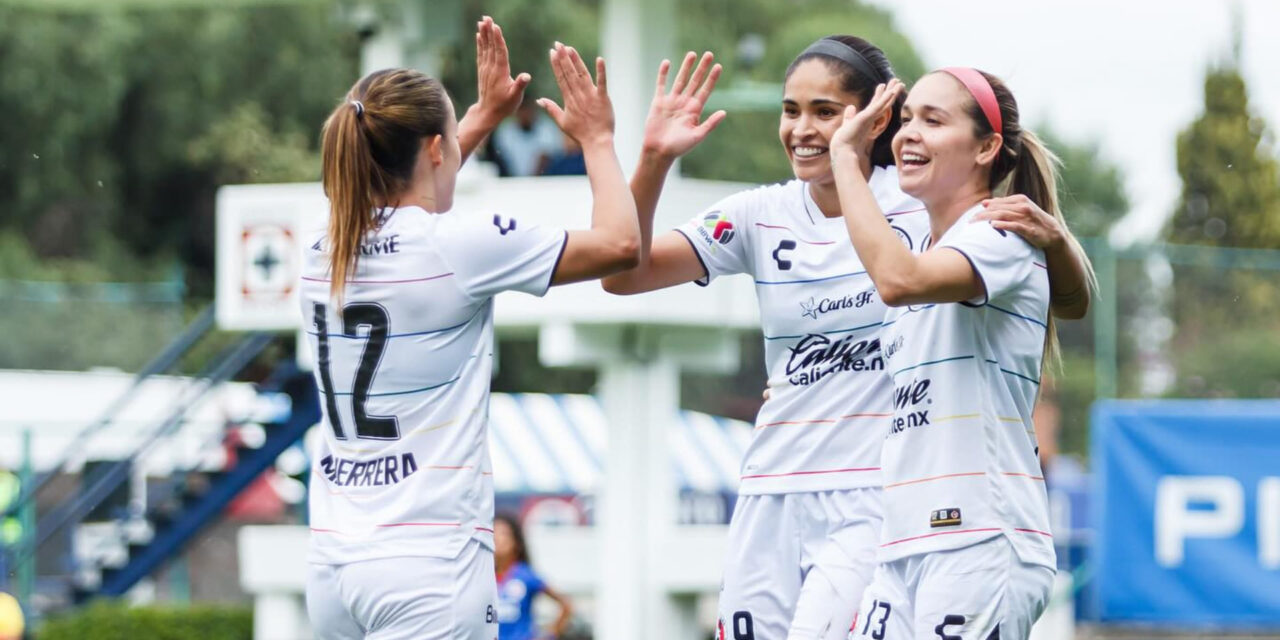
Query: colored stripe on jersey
point(403, 468)
point(960, 462)
point(821, 319)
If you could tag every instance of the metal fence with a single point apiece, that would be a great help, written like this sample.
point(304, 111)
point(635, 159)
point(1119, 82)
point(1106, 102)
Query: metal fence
point(76, 326)
point(1170, 321)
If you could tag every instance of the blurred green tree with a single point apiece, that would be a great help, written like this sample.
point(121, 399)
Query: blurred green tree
point(1230, 198)
point(756, 40)
point(529, 28)
point(1091, 187)
point(1230, 178)
point(122, 122)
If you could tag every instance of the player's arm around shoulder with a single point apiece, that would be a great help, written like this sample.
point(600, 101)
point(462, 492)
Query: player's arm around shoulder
point(1071, 282)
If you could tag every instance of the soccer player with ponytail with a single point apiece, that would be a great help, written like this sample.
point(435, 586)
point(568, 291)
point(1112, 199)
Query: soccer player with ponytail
point(397, 297)
point(965, 548)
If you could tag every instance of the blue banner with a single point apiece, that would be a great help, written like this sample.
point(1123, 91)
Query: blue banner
point(1187, 498)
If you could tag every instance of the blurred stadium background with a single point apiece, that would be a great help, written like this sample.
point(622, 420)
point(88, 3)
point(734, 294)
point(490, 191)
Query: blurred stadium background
point(152, 447)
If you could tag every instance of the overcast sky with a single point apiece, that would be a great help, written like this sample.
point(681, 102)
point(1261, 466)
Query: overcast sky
point(1128, 73)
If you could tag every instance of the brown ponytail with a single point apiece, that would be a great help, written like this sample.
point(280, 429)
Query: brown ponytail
point(369, 147)
point(1025, 165)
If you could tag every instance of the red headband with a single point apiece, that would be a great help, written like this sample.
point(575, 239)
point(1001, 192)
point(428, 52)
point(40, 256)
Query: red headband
point(981, 91)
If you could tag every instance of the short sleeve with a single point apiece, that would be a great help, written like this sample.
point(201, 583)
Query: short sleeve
point(534, 582)
point(491, 253)
point(1002, 260)
point(720, 237)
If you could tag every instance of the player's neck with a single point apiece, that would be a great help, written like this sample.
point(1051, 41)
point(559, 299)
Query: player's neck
point(417, 196)
point(824, 192)
point(944, 210)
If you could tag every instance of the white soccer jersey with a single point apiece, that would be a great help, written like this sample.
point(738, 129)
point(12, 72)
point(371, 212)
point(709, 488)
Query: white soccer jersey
point(403, 372)
point(829, 406)
point(961, 460)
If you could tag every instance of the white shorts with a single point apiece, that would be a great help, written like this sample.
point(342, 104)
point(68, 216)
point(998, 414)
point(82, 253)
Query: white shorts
point(981, 592)
point(405, 598)
point(797, 564)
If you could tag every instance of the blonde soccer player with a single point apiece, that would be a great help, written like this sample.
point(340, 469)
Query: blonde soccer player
point(397, 294)
point(804, 532)
point(965, 547)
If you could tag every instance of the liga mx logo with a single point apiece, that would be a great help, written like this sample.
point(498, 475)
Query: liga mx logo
point(719, 226)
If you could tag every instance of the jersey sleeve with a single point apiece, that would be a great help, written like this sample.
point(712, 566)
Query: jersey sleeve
point(1002, 259)
point(534, 582)
point(491, 253)
point(720, 237)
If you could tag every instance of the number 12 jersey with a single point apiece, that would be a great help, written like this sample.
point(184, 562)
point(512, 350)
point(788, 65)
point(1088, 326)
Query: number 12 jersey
point(403, 370)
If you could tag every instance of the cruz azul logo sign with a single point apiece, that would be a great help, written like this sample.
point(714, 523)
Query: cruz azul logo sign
point(816, 356)
point(814, 308)
point(910, 405)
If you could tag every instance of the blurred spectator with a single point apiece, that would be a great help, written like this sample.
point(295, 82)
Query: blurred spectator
point(569, 162)
point(518, 584)
point(527, 143)
point(11, 621)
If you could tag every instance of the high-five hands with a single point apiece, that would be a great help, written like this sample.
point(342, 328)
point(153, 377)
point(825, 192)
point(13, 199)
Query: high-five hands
point(859, 123)
point(499, 93)
point(587, 114)
point(672, 127)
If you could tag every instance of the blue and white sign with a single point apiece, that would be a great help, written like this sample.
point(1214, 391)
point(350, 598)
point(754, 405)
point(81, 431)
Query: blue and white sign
point(1188, 512)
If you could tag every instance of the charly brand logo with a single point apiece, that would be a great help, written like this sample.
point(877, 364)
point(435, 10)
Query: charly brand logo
point(506, 228)
point(816, 356)
point(814, 307)
point(503, 225)
point(904, 236)
point(910, 402)
point(787, 246)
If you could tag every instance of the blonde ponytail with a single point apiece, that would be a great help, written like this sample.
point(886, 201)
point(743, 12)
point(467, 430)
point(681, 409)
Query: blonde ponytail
point(1035, 175)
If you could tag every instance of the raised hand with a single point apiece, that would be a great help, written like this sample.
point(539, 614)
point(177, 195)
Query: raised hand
point(587, 115)
point(859, 123)
point(499, 93)
point(672, 127)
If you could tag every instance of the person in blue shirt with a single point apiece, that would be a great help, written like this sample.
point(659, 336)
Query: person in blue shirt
point(518, 584)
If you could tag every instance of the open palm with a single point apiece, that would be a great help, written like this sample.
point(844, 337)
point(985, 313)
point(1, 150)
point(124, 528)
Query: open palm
point(860, 124)
point(672, 127)
point(499, 93)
